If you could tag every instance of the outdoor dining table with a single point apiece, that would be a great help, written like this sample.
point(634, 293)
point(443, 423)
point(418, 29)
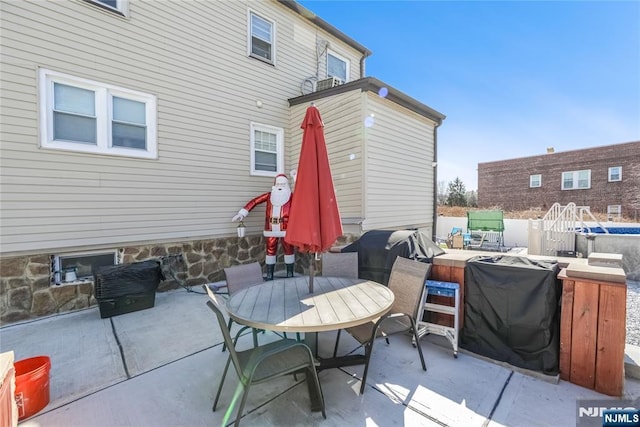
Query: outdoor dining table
point(285, 305)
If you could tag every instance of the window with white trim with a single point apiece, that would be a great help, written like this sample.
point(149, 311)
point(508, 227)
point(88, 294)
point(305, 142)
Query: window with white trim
point(337, 66)
point(121, 6)
point(576, 180)
point(615, 173)
point(261, 38)
point(614, 211)
point(83, 115)
point(267, 150)
point(535, 181)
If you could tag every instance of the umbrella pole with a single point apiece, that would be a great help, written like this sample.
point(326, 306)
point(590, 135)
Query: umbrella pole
point(311, 272)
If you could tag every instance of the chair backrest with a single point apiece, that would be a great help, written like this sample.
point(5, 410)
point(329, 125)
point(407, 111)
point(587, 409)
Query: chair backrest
point(340, 264)
point(242, 276)
point(218, 308)
point(407, 281)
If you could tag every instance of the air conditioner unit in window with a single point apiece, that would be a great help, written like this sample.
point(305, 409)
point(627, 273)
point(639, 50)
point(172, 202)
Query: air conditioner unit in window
point(329, 83)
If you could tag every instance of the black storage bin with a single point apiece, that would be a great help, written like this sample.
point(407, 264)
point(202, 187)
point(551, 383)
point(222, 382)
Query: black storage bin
point(378, 250)
point(512, 311)
point(126, 304)
point(128, 287)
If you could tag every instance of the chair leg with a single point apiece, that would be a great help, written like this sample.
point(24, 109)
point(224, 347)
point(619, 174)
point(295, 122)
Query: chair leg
point(415, 336)
point(224, 374)
point(367, 349)
point(242, 403)
point(335, 349)
point(318, 389)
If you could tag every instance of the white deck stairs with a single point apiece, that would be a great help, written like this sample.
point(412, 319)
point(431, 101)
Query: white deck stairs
point(554, 233)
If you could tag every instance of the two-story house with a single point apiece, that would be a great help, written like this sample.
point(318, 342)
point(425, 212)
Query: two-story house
point(133, 129)
point(604, 179)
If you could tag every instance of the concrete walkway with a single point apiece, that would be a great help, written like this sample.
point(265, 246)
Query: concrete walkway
point(160, 367)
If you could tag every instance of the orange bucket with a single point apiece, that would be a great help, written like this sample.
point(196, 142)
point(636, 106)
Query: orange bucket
point(32, 385)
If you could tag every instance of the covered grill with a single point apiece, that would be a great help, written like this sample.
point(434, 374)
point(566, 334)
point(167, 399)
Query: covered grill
point(378, 249)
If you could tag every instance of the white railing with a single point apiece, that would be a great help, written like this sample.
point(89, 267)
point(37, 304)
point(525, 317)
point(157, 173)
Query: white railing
point(555, 232)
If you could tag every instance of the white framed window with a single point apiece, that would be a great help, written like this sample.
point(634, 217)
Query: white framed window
point(261, 38)
point(576, 180)
point(121, 6)
point(615, 173)
point(82, 115)
point(267, 150)
point(337, 66)
point(79, 267)
point(614, 211)
point(535, 181)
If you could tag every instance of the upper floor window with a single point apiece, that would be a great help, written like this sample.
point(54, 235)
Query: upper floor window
point(615, 173)
point(267, 150)
point(261, 38)
point(576, 180)
point(82, 115)
point(535, 181)
point(337, 66)
point(121, 6)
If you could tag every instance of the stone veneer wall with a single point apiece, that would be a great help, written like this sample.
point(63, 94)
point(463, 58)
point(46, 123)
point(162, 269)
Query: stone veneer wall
point(26, 291)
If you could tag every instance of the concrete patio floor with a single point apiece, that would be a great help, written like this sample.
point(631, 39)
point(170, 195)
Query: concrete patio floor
point(160, 367)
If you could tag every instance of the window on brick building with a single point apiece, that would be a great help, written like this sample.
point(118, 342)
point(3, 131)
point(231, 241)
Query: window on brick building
point(615, 174)
point(535, 181)
point(614, 211)
point(576, 180)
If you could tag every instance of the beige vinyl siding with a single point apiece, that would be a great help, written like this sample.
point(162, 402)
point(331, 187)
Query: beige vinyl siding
point(343, 134)
point(399, 174)
point(193, 57)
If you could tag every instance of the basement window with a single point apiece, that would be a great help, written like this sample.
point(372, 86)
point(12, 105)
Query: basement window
point(614, 211)
point(77, 268)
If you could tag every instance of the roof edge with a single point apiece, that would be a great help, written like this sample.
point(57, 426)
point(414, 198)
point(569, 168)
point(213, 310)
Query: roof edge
point(371, 84)
point(311, 16)
point(557, 154)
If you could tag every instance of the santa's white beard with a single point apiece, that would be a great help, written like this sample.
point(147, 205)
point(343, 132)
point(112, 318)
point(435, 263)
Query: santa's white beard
point(280, 195)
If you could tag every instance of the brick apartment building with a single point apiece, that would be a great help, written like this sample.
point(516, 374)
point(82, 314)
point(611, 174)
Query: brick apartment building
point(606, 179)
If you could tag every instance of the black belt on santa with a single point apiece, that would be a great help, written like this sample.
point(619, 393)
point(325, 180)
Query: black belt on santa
point(274, 220)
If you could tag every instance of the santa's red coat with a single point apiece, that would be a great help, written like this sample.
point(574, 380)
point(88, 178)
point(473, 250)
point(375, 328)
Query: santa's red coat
point(275, 223)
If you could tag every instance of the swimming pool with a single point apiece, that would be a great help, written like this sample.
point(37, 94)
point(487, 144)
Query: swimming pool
point(611, 230)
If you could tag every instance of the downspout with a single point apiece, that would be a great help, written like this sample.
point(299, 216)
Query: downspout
point(362, 58)
point(435, 181)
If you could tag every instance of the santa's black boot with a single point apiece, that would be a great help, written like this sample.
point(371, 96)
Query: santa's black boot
point(289, 270)
point(270, 268)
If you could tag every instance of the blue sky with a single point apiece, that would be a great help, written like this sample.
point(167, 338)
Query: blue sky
point(512, 77)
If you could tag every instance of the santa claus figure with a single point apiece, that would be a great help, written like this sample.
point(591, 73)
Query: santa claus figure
point(277, 216)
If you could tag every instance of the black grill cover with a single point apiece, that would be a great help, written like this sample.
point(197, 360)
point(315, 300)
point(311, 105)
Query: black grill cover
point(512, 311)
point(127, 279)
point(378, 250)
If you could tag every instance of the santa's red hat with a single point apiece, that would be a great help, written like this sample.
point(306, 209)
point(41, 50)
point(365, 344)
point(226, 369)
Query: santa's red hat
point(275, 180)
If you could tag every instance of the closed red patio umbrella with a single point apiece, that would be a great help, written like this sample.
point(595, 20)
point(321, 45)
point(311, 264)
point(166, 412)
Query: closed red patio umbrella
point(314, 219)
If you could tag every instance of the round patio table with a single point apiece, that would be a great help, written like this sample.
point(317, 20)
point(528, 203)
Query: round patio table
point(285, 305)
